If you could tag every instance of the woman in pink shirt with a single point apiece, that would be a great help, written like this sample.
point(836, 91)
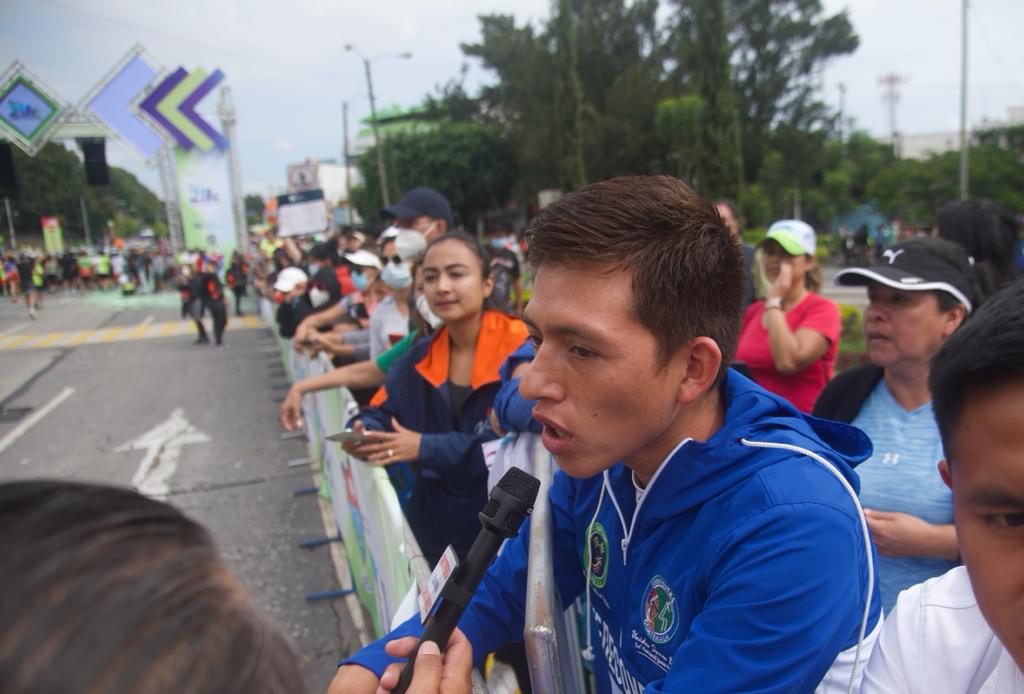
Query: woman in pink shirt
point(790, 338)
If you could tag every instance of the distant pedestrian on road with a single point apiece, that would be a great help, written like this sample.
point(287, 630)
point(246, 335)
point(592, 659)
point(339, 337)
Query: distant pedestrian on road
point(27, 276)
point(238, 276)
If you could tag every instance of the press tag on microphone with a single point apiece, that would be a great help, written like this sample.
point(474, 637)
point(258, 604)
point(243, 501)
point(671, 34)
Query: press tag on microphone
point(429, 593)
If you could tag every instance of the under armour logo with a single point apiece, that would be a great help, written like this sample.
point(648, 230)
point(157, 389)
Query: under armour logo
point(891, 255)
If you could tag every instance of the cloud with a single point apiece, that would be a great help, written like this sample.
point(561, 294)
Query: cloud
point(284, 145)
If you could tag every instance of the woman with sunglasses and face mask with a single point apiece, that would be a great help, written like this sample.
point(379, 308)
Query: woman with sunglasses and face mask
point(389, 322)
point(433, 409)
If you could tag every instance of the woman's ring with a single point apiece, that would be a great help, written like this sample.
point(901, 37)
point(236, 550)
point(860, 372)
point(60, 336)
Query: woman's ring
point(391, 452)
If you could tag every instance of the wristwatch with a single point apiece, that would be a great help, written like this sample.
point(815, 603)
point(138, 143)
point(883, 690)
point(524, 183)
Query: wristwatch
point(775, 302)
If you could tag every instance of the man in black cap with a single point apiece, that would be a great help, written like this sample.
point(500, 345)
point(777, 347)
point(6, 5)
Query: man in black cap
point(424, 210)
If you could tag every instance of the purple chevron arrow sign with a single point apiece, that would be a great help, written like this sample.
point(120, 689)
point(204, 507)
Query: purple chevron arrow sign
point(172, 104)
point(189, 104)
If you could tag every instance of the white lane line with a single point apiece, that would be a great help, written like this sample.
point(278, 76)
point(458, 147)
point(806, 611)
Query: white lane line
point(147, 321)
point(13, 330)
point(30, 421)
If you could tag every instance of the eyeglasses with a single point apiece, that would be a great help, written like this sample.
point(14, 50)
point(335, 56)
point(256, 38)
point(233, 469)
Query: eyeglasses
point(396, 259)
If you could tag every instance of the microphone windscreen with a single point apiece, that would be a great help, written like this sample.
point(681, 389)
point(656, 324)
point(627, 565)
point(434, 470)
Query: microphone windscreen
point(510, 502)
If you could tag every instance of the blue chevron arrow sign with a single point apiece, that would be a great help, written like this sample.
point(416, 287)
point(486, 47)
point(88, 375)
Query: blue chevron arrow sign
point(146, 109)
point(112, 104)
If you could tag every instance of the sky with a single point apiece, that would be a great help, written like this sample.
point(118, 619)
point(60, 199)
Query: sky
point(289, 72)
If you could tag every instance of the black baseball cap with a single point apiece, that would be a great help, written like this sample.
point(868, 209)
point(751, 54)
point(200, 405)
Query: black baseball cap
point(917, 265)
point(418, 202)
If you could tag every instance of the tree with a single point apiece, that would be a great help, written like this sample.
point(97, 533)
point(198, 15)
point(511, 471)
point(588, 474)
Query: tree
point(677, 122)
point(470, 163)
point(53, 183)
point(522, 99)
point(253, 208)
point(718, 155)
point(568, 102)
point(915, 189)
point(779, 50)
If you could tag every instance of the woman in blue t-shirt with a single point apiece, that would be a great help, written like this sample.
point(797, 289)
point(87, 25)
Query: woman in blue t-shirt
point(919, 294)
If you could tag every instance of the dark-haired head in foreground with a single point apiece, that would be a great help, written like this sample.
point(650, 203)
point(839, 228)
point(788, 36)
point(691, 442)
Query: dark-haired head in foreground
point(105, 590)
point(977, 384)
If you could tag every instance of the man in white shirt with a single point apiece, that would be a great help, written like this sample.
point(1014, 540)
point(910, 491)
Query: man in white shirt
point(964, 631)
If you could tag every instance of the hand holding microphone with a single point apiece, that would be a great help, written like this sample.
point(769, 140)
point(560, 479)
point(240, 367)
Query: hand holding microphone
point(435, 673)
point(508, 504)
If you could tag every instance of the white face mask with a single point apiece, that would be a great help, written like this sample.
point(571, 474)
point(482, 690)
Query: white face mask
point(423, 308)
point(318, 297)
point(396, 276)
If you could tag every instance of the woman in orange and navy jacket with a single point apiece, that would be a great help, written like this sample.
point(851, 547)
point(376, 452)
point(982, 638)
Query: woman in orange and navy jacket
point(433, 410)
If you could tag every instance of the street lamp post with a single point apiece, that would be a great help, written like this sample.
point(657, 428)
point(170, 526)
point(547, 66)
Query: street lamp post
point(345, 156)
point(373, 118)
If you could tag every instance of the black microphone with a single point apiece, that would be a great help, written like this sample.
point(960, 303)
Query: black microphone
point(509, 503)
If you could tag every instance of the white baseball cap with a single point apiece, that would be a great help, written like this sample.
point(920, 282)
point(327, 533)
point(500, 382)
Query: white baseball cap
point(363, 258)
point(288, 278)
point(795, 237)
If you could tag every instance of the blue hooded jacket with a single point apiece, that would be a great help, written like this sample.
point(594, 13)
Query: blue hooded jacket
point(742, 568)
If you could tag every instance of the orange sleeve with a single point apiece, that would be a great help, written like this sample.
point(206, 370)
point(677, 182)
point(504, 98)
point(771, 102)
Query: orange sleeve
point(379, 398)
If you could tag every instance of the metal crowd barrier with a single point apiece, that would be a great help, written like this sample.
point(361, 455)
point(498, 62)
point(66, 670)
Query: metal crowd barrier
point(382, 554)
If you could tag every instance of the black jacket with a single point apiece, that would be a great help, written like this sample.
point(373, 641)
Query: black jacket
point(845, 394)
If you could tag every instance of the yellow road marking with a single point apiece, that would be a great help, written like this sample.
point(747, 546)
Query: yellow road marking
point(20, 340)
point(48, 340)
point(138, 332)
point(80, 337)
point(110, 334)
point(143, 331)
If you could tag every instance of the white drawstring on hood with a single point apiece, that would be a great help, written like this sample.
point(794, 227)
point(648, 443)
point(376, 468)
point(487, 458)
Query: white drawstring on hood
point(627, 532)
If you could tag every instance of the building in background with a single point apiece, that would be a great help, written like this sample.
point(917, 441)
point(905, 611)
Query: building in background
point(924, 145)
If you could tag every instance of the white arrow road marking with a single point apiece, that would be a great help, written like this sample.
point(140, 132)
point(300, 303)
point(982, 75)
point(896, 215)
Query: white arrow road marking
point(163, 445)
point(30, 421)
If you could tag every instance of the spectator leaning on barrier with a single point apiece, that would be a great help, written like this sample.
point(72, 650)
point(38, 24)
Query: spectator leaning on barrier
point(961, 632)
point(919, 297)
point(289, 293)
point(127, 595)
point(711, 529)
point(363, 374)
point(790, 339)
point(433, 410)
point(390, 320)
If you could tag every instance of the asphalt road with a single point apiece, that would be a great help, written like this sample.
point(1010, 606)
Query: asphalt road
point(856, 296)
point(201, 422)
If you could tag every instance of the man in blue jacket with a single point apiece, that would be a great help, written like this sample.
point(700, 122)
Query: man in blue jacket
point(711, 529)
